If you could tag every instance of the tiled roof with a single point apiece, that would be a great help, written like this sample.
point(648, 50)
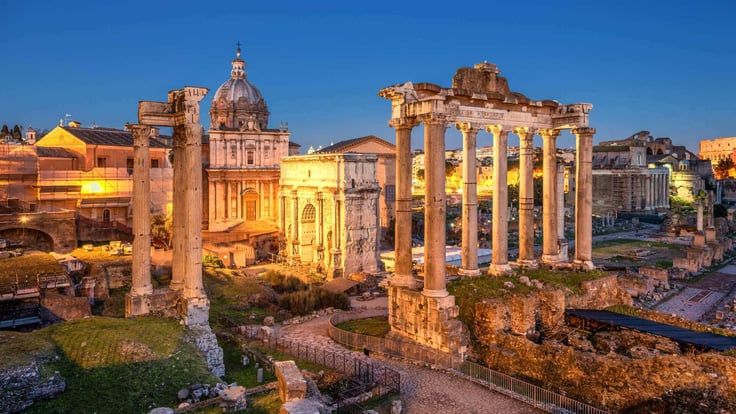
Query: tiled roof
point(108, 136)
point(55, 152)
point(346, 144)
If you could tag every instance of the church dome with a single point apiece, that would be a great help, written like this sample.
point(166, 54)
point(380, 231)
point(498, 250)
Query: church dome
point(238, 104)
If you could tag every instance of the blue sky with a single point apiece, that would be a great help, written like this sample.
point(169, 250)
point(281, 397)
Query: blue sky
point(663, 66)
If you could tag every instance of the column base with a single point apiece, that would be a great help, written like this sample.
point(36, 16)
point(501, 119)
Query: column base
point(435, 293)
point(500, 269)
point(137, 305)
point(527, 263)
point(469, 272)
point(551, 258)
point(403, 281)
point(563, 256)
point(584, 264)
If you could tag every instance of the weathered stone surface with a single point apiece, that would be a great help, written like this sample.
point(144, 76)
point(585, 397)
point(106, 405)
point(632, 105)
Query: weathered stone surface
point(292, 385)
point(183, 394)
point(233, 398)
point(268, 321)
point(21, 386)
point(162, 410)
point(206, 342)
point(303, 407)
point(57, 308)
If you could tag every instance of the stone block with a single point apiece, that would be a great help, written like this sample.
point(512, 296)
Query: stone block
point(292, 385)
point(303, 407)
point(268, 321)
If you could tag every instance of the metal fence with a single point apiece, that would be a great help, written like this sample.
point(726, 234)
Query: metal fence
point(531, 394)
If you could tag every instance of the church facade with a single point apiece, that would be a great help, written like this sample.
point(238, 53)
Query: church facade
point(242, 176)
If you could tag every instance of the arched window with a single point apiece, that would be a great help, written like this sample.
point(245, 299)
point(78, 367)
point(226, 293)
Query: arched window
point(309, 213)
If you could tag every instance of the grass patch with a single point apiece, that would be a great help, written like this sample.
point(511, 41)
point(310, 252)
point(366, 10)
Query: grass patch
point(98, 256)
point(18, 348)
point(375, 326)
point(235, 371)
point(231, 295)
point(118, 365)
point(567, 279)
point(30, 265)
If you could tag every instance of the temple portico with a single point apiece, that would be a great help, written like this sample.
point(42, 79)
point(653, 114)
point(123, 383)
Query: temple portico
point(479, 99)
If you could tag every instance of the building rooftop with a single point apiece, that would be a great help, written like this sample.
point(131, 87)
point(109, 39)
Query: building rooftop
point(344, 146)
point(108, 136)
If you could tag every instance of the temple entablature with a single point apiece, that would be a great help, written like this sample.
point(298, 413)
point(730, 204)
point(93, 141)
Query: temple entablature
point(478, 95)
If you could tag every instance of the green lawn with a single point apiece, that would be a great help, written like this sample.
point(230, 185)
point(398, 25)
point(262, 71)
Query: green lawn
point(230, 293)
point(376, 326)
point(111, 365)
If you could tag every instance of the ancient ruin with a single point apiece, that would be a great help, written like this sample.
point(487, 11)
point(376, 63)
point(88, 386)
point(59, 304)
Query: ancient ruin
point(479, 99)
point(182, 113)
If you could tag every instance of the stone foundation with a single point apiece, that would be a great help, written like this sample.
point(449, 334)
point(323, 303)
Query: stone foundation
point(206, 342)
point(161, 302)
point(55, 308)
point(292, 385)
point(426, 320)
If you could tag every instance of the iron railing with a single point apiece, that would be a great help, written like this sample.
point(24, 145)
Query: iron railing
point(518, 389)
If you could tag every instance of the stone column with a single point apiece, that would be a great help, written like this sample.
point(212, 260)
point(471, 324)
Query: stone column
point(402, 226)
point(699, 204)
point(191, 254)
point(141, 278)
point(435, 207)
point(320, 220)
point(584, 197)
point(470, 202)
point(178, 213)
point(561, 241)
point(550, 249)
point(648, 192)
point(500, 255)
point(294, 248)
point(526, 197)
point(282, 215)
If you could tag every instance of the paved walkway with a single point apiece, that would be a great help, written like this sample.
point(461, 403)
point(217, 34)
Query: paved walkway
point(422, 390)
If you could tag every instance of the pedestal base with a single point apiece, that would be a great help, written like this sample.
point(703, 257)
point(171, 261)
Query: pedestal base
point(427, 320)
point(584, 264)
point(551, 258)
point(137, 305)
point(403, 281)
point(196, 311)
point(527, 264)
point(469, 272)
point(500, 269)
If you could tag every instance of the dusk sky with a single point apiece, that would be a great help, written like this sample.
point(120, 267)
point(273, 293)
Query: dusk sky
point(663, 66)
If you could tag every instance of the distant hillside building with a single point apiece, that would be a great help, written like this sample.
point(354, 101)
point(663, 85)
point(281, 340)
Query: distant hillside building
point(717, 149)
point(88, 170)
point(242, 167)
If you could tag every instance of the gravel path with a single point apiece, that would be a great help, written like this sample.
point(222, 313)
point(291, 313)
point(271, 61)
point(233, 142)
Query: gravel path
point(422, 390)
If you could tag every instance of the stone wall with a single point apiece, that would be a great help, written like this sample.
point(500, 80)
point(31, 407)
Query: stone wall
point(112, 275)
point(426, 320)
point(55, 308)
point(21, 386)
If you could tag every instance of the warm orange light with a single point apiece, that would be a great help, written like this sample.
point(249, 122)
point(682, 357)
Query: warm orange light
point(24, 219)
point(92, 187)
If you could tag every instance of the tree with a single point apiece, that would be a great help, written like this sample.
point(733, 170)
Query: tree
point(17, 134)
point(161, 226)
point(449, 168)
point(723, 168)
point(5, 131)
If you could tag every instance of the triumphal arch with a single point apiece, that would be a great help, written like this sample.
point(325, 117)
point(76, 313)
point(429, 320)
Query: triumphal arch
point(479, 100)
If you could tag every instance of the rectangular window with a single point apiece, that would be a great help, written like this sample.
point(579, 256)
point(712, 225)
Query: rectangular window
point(129, 163)
point(101, 162)
point(154, 164)
point(250, 158)
point(390, 193)
point(234, 150)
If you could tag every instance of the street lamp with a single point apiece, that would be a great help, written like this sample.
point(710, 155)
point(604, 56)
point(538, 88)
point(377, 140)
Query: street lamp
point(23, 221)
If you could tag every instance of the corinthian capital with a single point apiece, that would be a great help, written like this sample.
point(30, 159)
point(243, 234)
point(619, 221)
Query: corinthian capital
point(139, 132)
point(583, 131)
point(433, 118)
point(467, 127)
point(403, 123)
point(496, 129)
point(547, 133)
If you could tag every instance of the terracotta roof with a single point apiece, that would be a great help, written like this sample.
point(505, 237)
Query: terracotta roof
point(339, 285)
point(55, 152)
point(345, 145)
point(108, 136)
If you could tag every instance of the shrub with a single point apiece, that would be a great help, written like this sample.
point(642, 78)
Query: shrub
point(284, 284)
point(212, 261)
point(304, 302)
